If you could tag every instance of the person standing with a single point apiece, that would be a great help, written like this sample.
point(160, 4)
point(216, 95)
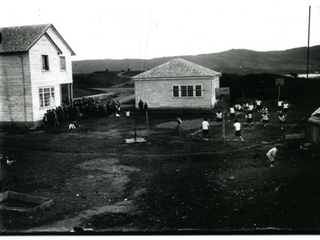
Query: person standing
point(219, 116)
point(279, 106)
point(265, 119)
point(282, 119)
point(232, 112)
point(272, 154)
point(205, 129)
point(141, 105)
point(250, 107)
point(285, 107)
point(259, 105)
point(179, 122)
point(249, 118)
point(237, 128)
point(145, 107)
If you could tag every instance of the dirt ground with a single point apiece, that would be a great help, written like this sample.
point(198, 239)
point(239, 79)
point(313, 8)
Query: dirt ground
point(169, 184)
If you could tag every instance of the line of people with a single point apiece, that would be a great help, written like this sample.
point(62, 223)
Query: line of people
point(81, 109)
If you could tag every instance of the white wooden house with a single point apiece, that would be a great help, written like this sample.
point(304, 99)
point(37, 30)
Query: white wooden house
point(35, 64)
point(177, 84)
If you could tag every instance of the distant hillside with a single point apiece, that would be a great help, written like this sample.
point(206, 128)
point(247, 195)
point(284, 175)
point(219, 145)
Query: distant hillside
point(240, 61)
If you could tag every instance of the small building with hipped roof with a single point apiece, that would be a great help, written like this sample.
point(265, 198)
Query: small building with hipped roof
point(35, 65)
point(313, 132)
point(177, 84)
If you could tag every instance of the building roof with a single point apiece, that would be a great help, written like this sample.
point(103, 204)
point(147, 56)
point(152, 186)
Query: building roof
point(315, 117)
point(22, 38)
point(177, 67)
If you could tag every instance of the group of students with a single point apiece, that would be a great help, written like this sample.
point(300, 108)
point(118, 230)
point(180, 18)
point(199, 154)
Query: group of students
point(282, 110)
point(80, 109)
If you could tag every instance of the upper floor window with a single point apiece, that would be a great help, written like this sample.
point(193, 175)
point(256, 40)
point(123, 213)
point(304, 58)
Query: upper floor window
point(187, 91)
point(62, 63)
point(45, 62)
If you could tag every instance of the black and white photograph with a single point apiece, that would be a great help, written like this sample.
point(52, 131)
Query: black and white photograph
point(159, 118)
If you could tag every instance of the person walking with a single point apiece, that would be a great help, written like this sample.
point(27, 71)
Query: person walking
point(272, 154)
point(237, 128)
point(205, 129)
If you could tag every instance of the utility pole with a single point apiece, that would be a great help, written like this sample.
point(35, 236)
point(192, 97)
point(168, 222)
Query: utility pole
point(308, 43)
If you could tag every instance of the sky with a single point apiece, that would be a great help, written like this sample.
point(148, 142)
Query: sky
point(146, 29)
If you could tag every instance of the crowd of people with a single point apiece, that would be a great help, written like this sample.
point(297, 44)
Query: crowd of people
point(250, 109)
point(81, 109)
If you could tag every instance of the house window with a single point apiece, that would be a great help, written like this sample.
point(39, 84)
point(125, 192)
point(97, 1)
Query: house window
point(175, 91)
point(190, 91)
point(45, 62)
point(198, 91)
point(183, 91)
point(46, 97)
point(187, 91)
point(63, 63)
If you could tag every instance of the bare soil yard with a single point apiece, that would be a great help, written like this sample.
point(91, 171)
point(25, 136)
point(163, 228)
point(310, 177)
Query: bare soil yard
point(170, 184)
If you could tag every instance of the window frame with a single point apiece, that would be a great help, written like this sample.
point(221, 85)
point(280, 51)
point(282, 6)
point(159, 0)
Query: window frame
point(46, 97)
point(185, 91)
point(63, 65)
point(45, 62)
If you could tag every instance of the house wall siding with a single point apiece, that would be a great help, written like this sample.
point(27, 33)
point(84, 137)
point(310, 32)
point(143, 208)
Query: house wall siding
point(158, 93)
point(51, 78)
point(65, 76)
point(13, 80)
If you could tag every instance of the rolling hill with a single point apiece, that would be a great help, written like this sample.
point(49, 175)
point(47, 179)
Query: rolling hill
point(239, 61)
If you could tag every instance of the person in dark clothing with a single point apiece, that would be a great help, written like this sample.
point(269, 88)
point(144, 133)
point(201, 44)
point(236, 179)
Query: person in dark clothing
point(145, 107)
point(141, 105)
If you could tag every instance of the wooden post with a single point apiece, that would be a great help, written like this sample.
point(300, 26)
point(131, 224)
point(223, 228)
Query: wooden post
point(223, 125)
point(147, 123)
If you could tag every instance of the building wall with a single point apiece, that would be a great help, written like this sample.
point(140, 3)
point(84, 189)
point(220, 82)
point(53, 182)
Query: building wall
point(313, 135)
point(215, 83)
point(15, 90)
point(158, 93)
point(19, 86)
point(50, 78)
point(65, 76)
point(316, 138)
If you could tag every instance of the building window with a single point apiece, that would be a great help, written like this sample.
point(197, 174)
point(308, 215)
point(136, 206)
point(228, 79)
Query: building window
point(187, 91)
point(46, 97)
point(190, 91)
point(63, 63)
point(45, 62)
point(198, 91)
point(175, 91)
point(183, 91)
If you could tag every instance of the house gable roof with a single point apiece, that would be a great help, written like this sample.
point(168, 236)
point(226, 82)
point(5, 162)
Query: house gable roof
point(177, 67)
point(22, 38)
